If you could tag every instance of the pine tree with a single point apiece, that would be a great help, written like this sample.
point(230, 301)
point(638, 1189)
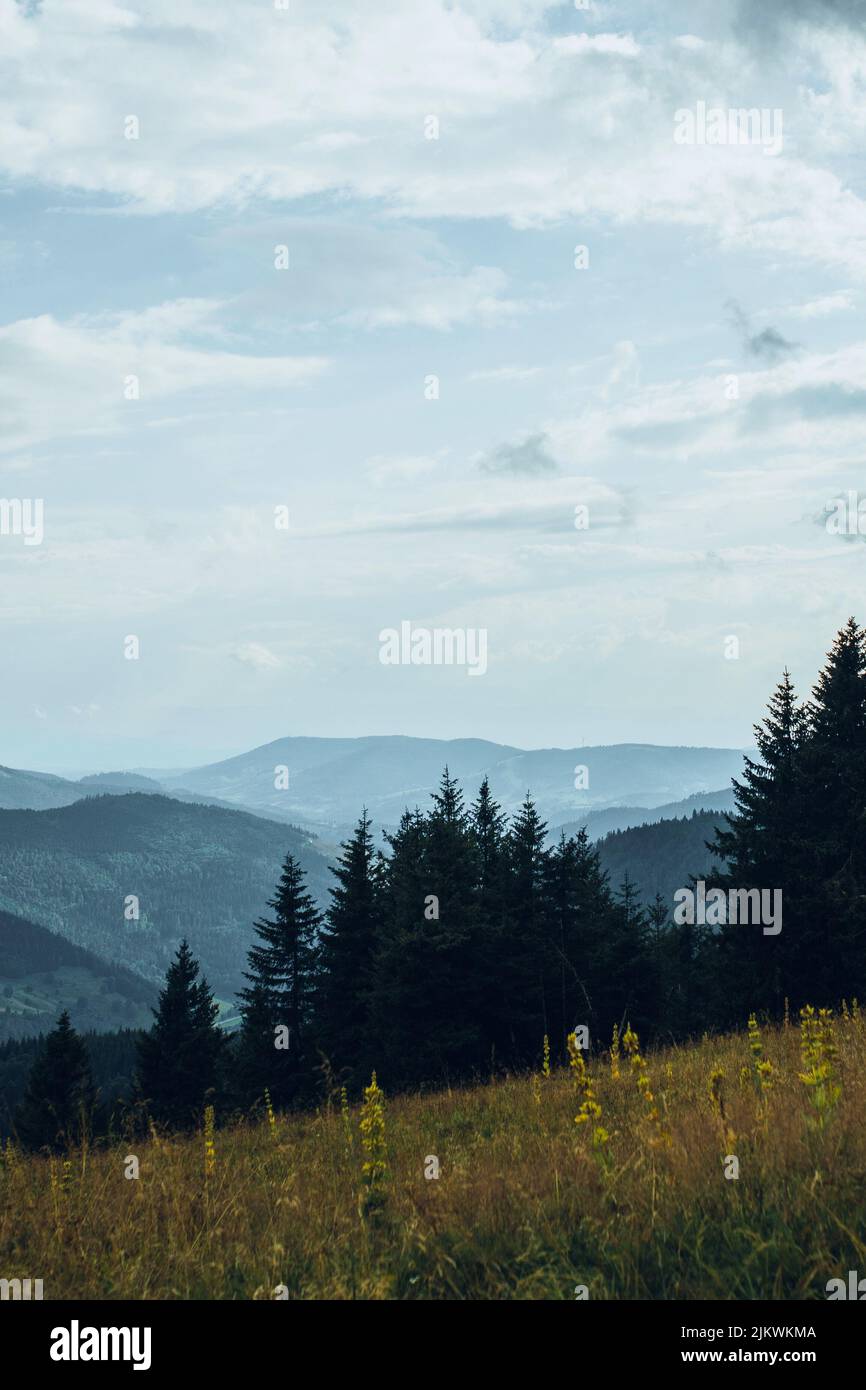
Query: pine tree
point(276, 1008)
point(765, 846)
point(57, 1106)
point(179, 1059)
point(428, 977)
point(832, 939)
point(522, 982)
point(348, 944)
point(769, 798)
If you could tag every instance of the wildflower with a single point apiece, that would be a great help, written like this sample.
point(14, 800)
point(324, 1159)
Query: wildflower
point(372, 1126)
point(631, 1044)
point(614, 1054)
point(347, 1121)
point(762, 1069)
point(545, 1063)
point(819, 1059)
point(717, 1105)
point(590, 1110)
point(209, 1146)
point(272, 1119)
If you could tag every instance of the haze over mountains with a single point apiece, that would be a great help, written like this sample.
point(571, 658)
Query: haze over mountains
point(195, 871)
point(330, 779)
point(201, 850)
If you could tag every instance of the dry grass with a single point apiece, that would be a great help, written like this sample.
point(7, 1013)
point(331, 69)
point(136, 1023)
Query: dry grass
point(526, 1205)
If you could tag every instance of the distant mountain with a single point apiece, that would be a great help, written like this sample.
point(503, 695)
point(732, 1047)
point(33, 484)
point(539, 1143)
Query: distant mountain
point(41, 974)
point(600, 823)
point(661, 857)
point(36, 791)
point(118, 782)
point(329, 780)
point(197, 871)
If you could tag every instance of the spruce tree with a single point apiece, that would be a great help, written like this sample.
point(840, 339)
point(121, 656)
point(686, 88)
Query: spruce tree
point(348, 943)
point(274, 1049)
point(832, 940)
point(522, 982)
point(55, 1111)
point(179, 1060)
point(429, 977)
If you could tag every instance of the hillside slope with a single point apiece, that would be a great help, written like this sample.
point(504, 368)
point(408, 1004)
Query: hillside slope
point(519, 1203)
point(42, 973)
point(663, 856)
point(197, 871)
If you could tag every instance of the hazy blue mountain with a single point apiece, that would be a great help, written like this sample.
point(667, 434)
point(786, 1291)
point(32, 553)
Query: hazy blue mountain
point(330, 779)
point(661, 857)
point(98, 782)
point(602, 822)
point(198, 871)
point(36, 790)
point(41, 974)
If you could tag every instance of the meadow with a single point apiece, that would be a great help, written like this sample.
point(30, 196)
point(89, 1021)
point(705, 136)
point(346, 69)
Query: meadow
point(607, 1176)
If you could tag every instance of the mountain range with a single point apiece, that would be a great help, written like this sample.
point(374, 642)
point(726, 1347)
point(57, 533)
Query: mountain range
point(321, 784)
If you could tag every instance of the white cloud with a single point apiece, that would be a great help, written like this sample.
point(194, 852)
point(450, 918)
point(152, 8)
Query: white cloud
point(293, 103)
point(623, 45)
point(384, 470)
point(258, 656)
point(81, 375)
point(505, 374)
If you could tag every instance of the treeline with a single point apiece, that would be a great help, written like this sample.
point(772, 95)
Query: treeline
point(112, 1061)
point(454, 953)
point(654, 854)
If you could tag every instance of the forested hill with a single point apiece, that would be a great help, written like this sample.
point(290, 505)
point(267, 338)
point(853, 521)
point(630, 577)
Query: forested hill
point(197, 871)
point(663, 856)
point(42, 973)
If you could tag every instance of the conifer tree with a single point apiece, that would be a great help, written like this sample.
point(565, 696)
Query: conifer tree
point(428, 972)
point(523, 979)
point(55, 1111)
point(179, 1060)
point(276, 1007)
point(348, 945)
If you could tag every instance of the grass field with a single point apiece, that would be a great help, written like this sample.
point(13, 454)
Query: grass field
point(529, 1204)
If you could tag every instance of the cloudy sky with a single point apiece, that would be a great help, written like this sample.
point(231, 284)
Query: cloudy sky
point(236, 243)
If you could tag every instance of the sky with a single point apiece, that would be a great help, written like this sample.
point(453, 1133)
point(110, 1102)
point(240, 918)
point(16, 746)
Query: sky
point(318, 320)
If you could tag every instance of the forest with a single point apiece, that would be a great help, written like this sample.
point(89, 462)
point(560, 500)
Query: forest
point(454, 953)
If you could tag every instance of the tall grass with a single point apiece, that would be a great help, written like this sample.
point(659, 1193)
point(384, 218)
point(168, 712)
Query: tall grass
point(526, 1205)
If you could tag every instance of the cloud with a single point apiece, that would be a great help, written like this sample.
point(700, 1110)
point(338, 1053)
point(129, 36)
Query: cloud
point(839, 302)
point(505, 374)
point(763, 22)
point(442, 302)
point(90, 374)
point(621, 45)
point(384, 469)
point(531, 456)
point(284, 108)
point(769, 344)
point(258, 656)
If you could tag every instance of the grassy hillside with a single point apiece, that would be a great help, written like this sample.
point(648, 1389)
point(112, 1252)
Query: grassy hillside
point(525, 1207)
point(196, 870)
